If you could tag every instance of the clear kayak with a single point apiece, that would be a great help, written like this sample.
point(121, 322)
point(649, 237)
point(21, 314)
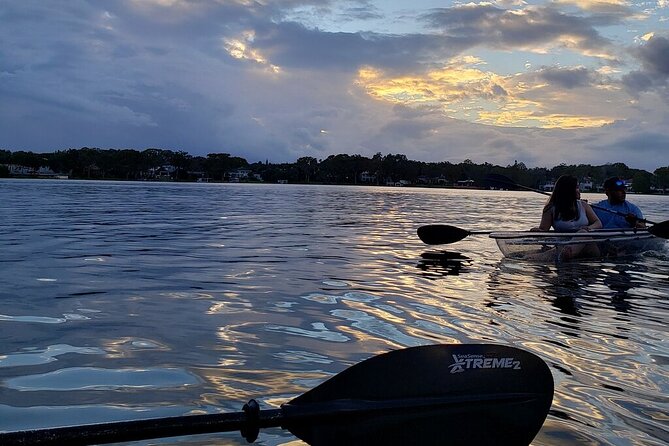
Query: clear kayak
point(560, 246)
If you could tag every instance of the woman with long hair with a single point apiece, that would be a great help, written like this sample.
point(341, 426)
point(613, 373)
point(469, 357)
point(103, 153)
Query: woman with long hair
point(566, 212)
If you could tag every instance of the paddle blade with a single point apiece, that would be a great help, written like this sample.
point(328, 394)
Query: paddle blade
point(660, 229)
point(438, 394)
point(441, 234)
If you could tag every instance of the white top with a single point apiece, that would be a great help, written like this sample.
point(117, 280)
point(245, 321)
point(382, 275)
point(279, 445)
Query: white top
point(571, 225)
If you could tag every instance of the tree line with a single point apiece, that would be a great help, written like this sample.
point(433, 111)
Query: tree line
point(131, 164)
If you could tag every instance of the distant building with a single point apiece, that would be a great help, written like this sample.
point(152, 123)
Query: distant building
point(441, 179)
point(164, 173)
point(237, 175)
point(586, 184)
point(465, 183)
point(367, 177)
point(17, 170)
point(548, 186)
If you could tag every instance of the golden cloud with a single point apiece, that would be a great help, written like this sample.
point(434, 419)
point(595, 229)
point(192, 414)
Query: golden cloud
point(241, 48)
point(466, 92)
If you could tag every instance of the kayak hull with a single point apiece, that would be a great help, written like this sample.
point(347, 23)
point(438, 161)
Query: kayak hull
point(559, 247)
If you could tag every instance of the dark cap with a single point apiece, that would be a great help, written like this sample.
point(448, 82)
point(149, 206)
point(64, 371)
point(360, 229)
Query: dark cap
point(614, 183)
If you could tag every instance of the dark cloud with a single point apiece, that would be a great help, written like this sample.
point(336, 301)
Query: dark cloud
point(638, 82)
point(567, 77)
point(402, 130)
point(486, 24)
point(294, 45)
point(643, 142)
point(654, 56)
point(654, 73)
point(365, 11)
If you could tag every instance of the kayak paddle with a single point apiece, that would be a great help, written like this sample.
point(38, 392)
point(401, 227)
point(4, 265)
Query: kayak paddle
point(436, 394)
point(660, 229)
point(444, 234)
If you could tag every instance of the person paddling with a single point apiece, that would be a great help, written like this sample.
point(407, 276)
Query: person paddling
point(621, 213)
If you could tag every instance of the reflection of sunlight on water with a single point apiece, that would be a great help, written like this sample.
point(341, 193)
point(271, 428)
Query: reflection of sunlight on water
point(233, 385)
point(321, 298)
point(32, 357)
point(292, 356)
point(369, 325)
point(91, 378)
point(320, 331)
point(33, 319)
point(229, 307)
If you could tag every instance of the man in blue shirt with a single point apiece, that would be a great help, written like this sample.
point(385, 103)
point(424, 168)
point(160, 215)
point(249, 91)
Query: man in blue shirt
point(625, 214)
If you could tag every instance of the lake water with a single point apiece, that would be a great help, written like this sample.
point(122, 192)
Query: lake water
point(123, 300)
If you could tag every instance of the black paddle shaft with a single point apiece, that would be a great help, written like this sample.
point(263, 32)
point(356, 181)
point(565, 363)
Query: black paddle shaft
point(146, 429)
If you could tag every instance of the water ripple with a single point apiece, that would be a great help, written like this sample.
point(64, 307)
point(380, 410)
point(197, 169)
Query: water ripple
point(92, 378)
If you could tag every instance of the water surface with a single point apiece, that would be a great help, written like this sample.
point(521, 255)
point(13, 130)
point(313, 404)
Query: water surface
point(123, 300)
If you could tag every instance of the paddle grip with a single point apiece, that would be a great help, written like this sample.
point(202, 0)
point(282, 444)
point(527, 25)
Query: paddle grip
point(250, 426)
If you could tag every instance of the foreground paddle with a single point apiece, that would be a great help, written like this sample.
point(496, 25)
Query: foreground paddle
point(436, 394)
point(501, 179)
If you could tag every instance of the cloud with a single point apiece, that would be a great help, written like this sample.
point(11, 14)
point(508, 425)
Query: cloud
point(603, 11)
point(535, 29)
point(654, 56)
point(567, 77)
point(653, 76)
point(644, 142)
point(293, 45)
point(551, 97)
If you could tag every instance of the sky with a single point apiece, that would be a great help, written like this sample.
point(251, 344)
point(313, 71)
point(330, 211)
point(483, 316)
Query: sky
point(538, 82)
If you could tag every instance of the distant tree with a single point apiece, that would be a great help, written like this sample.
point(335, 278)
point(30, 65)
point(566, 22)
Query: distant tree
point(641, 182)
point(307, 166)
point(396, 167)
point(5, 157)
point(181, 161)
point(336, 168)
point(152, 158)
point(218, 164)
point(616, 170)
point(28, 159)
point(662, 177)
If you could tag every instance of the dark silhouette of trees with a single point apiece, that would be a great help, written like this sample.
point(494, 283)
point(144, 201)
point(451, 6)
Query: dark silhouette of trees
point(662, 177)
point(307, 167)
point(218, 165)
point(154, 163)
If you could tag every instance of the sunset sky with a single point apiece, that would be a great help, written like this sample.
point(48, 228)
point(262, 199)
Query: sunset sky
point(540, 82)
